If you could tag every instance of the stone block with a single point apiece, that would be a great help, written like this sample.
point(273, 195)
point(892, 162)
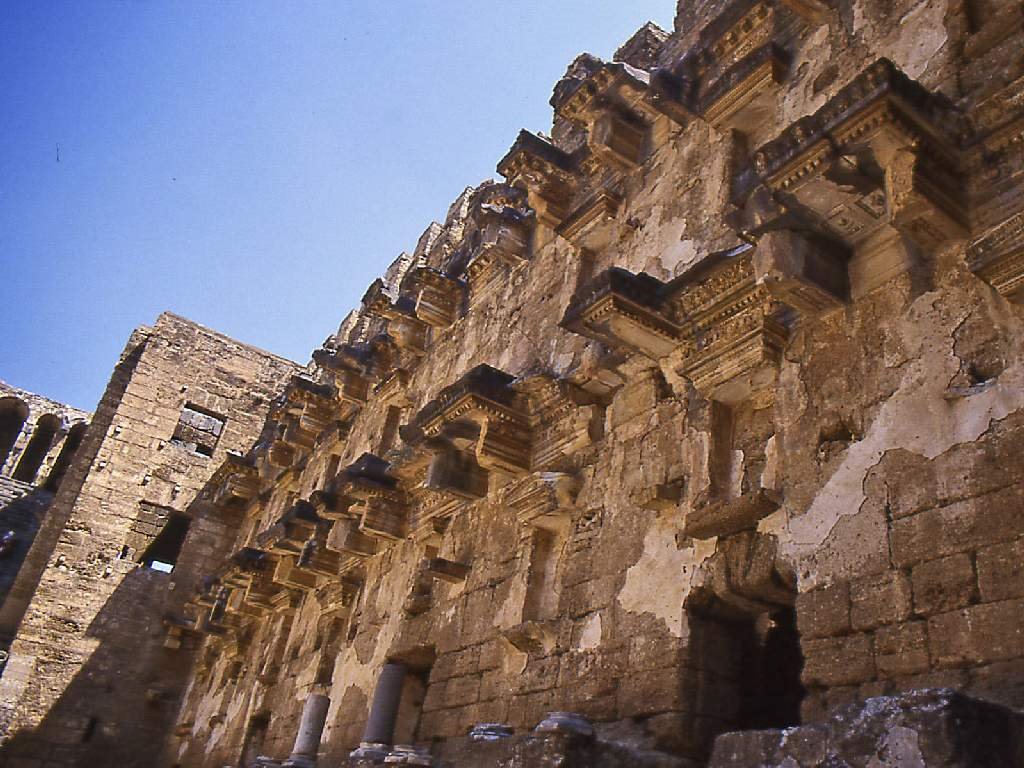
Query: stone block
point(901, 649)
point(824, 612)
point(958, 527)
point(936, 728)
point(978, 634)
point(943, 585)
point(879, 599)
point(838, 661)
point(1001, 571)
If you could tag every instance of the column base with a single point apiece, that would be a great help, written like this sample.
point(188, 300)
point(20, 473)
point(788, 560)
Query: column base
point(370, 750)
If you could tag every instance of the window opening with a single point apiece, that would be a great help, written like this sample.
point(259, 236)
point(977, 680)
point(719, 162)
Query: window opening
point(162, 553)
point(198, 430)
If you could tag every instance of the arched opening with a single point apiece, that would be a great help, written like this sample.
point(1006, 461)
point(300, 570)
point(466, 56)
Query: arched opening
point(37, 448)
point(67, 453)
point(13, 413)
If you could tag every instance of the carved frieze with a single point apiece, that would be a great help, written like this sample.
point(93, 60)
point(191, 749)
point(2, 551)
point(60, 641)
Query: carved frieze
point(998, 258)
point(732, 329)
point(882, 153)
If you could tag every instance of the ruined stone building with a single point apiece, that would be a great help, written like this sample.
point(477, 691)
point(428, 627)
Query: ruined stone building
point(695, 441)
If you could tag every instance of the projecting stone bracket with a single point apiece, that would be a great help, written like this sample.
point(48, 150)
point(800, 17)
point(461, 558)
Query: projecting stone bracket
point(477, 426)
point(803, 271)
point(235, 483)
point(544, 500)
point(882, 156)
point(742, 97)
point(727, 516)
point(445, 570)
point(624, 311)
point(289, 534)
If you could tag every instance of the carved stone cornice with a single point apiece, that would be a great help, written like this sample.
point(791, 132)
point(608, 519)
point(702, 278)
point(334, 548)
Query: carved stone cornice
point(544, 500)
point(564, 418)
point(367, 493)
point(290, 576)
point(732, 329)
point(997, 257)
point(235, 483)
point(591, 224)
point(883, 152)
point(497, 239)
point(393, 390)
point(620, 106)
point(741, 97)
point(437, 299)
point(290, 532)
point(549, 175)
point(405, 329)
point(479, 411)
point(348, 366)
point(624, 311)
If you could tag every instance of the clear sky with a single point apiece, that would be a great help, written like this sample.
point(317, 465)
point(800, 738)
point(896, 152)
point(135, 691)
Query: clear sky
point(250, 165)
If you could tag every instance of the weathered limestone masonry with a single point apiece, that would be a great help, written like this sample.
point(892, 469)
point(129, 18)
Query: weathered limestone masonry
point(38, 437)
point(93, 676)
point(707, 419)
point(38, 440)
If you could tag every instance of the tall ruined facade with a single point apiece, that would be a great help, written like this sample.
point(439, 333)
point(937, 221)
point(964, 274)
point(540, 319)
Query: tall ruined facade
point(707, 420)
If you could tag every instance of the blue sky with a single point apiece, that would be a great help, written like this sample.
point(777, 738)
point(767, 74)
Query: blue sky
point(250, 165)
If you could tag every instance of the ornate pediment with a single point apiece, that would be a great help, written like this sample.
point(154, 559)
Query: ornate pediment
point(883, 153)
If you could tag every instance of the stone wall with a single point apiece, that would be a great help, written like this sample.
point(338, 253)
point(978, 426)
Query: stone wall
point(54, 431)
point(94, 674)
point(705, 420)
point(702, 421)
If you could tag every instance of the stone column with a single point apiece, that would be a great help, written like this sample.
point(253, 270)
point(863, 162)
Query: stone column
point(311, 727)
point(380, 727)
